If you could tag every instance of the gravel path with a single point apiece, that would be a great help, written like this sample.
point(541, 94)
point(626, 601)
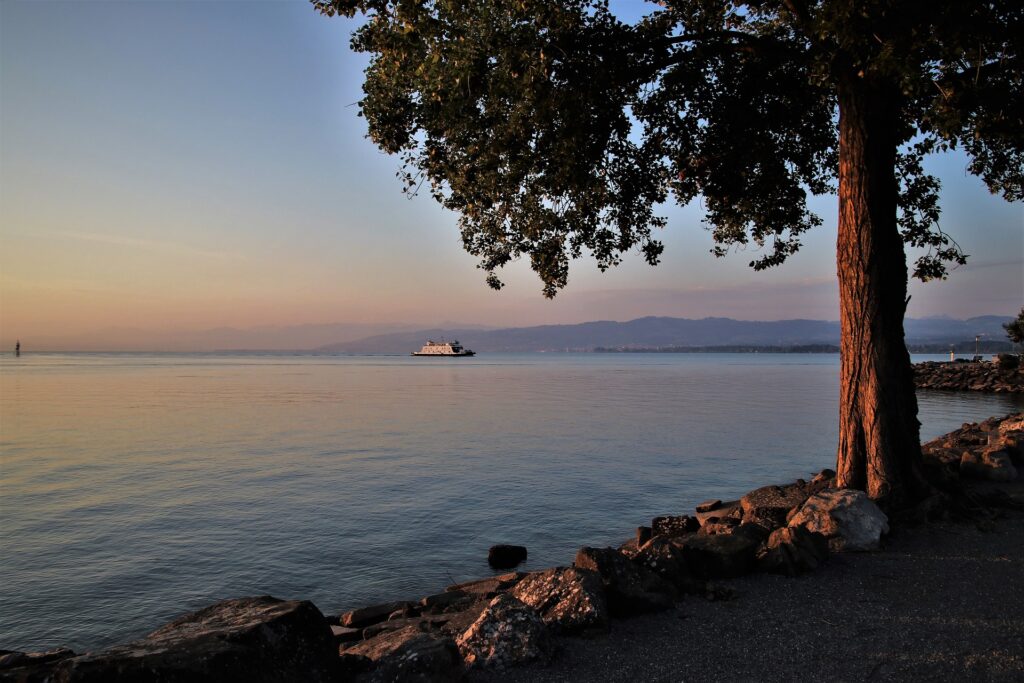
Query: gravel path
point(941, 602)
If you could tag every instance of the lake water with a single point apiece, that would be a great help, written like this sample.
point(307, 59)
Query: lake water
point(134, 488)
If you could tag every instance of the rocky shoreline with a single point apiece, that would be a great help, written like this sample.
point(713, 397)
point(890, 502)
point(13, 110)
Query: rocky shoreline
point(496, 623)
point(1003, 375)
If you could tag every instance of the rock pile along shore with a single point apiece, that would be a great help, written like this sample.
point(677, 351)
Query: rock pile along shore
point(519, 617)
point(1002, 376)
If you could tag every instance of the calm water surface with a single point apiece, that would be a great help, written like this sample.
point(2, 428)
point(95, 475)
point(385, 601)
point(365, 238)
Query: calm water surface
point(136, 487)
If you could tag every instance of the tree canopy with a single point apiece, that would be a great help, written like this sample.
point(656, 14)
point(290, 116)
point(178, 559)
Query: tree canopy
point(1015, 328)
point(554, 128)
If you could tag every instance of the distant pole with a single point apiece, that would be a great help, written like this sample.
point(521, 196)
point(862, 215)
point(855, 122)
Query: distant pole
point(977, 339)
point(952, 353)
point(17, 348)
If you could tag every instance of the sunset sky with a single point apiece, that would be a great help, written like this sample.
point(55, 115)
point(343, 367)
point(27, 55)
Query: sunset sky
point(188, 165)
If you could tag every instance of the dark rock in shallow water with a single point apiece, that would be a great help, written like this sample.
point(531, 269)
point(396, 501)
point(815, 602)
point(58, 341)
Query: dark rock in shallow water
point(246, 639)
point(506, 556)
point(630, 588)
point(569, 599)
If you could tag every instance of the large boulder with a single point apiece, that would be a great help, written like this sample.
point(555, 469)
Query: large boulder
point(846, 517)
point(245, 639)
point(507, 633)
point(792, 550)
point(769, 505)
point(723, 556)
point(630, 589)
point(567, 599)
point(408, 654)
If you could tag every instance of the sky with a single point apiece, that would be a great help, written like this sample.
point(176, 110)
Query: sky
point(170, 166)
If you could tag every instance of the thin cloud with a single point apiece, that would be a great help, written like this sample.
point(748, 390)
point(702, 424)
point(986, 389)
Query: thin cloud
point(150, 245)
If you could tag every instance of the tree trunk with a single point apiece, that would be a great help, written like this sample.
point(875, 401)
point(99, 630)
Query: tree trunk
point(879, 435)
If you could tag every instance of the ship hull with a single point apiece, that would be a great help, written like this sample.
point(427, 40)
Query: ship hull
point(464, 354)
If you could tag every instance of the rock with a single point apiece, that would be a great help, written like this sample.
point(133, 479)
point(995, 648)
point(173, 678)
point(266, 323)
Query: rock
point(719, 525)
point(848, 518)
point(1010, 441)
point(721, 556)
point(630, 548)
point(968, 376)
point(942, 457)
point(825, 476)
point(506, 633)
point(728, 509)
point(769, 505)
point(674, 525)
point(643, 534)
point(449, 601)
point(488, 587)
point(663, 557)
point(343, 634)
point(409, 654)
point(792, 551)
point(365, 616)
point(11, 659)
point(709, 505)
point(993, 464)
point(505, 556)
point(245, 639)
point(629, 588)
point(423, 623)
point(567, 599)
point(1012, 423)
point(460, 621)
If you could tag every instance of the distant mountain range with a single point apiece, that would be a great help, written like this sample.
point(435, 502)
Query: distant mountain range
point(662, 333)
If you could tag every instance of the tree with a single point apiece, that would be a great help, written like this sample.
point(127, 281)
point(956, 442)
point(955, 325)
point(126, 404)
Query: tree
point(1015, 328)
point(554, 128)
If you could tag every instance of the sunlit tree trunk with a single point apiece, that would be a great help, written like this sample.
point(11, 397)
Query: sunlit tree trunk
point(879, 435)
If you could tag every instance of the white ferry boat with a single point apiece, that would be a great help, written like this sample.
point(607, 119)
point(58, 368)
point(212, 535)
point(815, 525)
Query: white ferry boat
point(443, 348)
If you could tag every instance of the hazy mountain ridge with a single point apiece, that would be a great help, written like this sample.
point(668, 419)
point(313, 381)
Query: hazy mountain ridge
point(656, 332)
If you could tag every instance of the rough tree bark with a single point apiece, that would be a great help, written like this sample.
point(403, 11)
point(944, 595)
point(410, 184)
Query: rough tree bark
point(879, 434)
